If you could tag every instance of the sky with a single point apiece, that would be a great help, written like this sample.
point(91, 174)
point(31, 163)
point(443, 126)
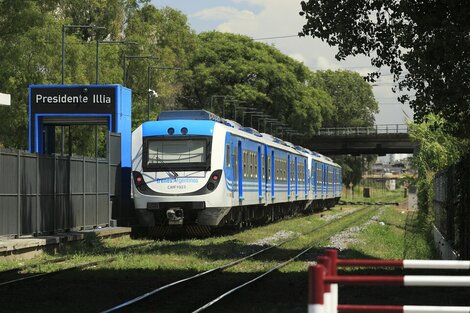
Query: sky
point(261, 19)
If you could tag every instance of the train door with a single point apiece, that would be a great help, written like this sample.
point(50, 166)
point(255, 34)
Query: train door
point(233, 167)
point(334, 180)
point(289, 183)
point(327, 169)
point(306, 177)
point(266, 172)
point(272, 176)
point(240, 171)
point(315, 179)
point(259, 174)
point(296, 177)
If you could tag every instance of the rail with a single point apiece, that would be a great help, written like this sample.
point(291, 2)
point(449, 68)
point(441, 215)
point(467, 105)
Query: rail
point(323, 280)
point(385, 129)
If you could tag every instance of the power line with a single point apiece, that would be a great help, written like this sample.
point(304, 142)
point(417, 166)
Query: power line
point(277, 37)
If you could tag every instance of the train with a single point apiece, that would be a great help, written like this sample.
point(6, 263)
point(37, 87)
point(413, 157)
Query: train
point(194, 169)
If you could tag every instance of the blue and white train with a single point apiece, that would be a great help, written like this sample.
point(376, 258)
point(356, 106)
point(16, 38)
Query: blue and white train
point(195, 168)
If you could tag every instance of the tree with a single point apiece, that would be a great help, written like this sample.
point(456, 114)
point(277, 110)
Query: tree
point(437, 150)
point(353, 99)
point(30, 45)
point(257, 74)
point(425, 44)
point(163, 33)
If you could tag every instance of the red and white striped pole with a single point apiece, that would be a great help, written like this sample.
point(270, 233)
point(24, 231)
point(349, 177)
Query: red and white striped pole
point(316, 275)
point(402, 280)
point(344, 308)
point(408, 264)
point(332, 254)
point(327, 299)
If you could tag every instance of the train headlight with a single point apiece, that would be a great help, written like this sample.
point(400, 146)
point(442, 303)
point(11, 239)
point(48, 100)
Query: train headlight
point(184, 130)
point(171, 131)
point(210, 186)
point(214, 180)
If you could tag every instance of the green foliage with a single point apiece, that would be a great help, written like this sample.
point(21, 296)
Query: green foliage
point(163, 33)
point(427, 38)
point(257, 74)
point(353, 98)
point(30, 45)
point(191, 69)
point(437, 150)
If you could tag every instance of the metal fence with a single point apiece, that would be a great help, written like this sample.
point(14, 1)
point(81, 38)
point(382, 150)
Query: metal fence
point(386, 129)
point(49, 193)
point(451, 204)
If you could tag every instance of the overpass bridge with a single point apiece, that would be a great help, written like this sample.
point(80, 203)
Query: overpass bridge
point(378, 139)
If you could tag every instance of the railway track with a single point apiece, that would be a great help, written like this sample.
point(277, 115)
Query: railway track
point(203, 290)
point(28, 273)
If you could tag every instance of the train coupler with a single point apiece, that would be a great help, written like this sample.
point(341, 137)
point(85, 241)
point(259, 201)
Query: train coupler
point(175, 216)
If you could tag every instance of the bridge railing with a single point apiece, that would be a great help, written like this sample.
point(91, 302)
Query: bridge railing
point(385, 129)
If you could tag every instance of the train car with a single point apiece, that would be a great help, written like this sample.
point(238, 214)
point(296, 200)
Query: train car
point(193, 168)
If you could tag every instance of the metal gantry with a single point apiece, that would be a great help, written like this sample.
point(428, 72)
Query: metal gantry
point(124, 68)
point(98, 42)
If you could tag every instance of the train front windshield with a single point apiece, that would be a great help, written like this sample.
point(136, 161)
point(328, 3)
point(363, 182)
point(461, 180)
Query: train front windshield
point(177, 154)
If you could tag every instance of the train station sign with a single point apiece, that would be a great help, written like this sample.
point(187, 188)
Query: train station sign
point(74, 99)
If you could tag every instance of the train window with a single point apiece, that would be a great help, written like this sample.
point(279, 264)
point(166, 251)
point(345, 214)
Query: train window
point(179, 154)
point(262, 167)
point(244, 164)
point(269, 168)
point(255, 157)
point(235, 163)
point(278, 170)
point(227, 155)
point(292, 171)
point(284, 170)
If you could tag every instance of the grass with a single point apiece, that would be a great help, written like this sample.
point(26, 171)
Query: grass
point(394, 233)
point(402, 237)
point(397, 234)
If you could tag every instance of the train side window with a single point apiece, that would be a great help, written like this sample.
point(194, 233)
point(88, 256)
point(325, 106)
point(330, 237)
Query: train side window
point(269, 168)
point(292, 173)
point(253, 167)
point(263, 175)
point(227, 155)
point(244, 164)
point(255, 158)
point(235, 162)
point(278, 169)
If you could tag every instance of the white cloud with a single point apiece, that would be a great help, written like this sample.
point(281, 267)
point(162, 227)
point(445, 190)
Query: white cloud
point(223, 13)
point(298, 56)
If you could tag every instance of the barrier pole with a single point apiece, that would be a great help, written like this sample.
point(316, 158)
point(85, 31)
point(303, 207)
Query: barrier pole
point(332, 254)
point(409, 264)
point(316, 275)
point(326, 262)
point(406, 280)
point(351, 308)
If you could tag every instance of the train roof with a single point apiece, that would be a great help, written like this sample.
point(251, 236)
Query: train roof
point(206, 115)
point(189, 115)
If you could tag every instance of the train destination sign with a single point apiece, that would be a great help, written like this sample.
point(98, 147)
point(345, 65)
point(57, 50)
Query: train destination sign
point(76, 99)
